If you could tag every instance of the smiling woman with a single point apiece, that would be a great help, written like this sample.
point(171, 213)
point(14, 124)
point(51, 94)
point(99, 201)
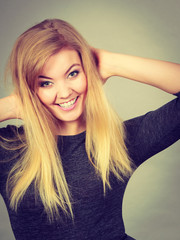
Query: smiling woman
point(63, 173)
point(52, 66)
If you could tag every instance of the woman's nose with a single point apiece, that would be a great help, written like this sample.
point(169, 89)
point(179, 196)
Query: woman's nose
point(63, 90)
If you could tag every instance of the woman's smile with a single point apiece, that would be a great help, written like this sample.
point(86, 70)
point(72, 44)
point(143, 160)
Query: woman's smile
point(67, 106)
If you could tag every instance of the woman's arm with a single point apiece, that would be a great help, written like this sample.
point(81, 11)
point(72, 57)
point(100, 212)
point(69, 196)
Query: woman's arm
point(9, 108)
point(160, 74)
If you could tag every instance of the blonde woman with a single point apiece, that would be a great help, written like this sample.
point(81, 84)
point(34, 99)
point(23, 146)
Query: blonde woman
point(63, 173)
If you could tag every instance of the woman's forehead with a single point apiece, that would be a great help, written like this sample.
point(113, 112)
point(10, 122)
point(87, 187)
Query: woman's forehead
point(61, 61)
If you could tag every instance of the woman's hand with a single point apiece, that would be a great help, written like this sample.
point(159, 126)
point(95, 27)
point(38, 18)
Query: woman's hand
point(10, 108)
point(102, 59)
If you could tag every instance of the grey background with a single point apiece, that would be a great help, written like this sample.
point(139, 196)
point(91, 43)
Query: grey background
point(148, 28)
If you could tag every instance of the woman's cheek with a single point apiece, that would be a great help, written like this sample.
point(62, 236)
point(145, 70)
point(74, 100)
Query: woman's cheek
point(83, 85)
point(46, 96)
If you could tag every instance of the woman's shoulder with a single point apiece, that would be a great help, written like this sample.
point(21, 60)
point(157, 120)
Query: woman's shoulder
point(154, 131)
point(11, 131)
point(9, 148)
point(10, 140)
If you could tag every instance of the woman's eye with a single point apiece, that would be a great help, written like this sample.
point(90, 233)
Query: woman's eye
point(73, 74)
point(45, 84)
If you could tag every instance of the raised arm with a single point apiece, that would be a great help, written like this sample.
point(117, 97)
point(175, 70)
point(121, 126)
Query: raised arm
point(9, 108)
point(160, 74)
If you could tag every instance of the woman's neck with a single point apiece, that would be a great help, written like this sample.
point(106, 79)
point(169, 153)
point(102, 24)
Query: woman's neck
point(71, 128)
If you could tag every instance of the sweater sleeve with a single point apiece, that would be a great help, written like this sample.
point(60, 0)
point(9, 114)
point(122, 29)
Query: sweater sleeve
point(153, 132)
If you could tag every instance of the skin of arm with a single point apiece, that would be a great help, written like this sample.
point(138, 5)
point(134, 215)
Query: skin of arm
point(157, 73)
point(9, 108)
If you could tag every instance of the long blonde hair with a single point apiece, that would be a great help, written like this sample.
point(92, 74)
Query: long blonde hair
point(40, 162)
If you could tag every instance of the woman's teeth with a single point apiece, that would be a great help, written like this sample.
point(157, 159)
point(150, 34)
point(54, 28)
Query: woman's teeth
point(68, 104)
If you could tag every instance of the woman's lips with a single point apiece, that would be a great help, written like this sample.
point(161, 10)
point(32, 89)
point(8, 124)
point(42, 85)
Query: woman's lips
point(68, 105)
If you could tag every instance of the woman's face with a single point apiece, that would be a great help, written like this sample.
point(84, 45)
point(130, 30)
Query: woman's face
point(62, 86)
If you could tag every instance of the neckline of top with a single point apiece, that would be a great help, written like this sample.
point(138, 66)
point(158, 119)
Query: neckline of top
point(73, 137)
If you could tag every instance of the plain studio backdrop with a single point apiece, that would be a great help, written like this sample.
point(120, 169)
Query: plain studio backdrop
point(147, 28)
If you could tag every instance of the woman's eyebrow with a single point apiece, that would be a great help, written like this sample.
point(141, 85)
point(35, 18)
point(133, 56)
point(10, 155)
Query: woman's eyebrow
point(41, 76)
point(75, 64)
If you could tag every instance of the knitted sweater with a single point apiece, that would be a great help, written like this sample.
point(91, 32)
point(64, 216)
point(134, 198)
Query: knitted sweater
point(96, 216)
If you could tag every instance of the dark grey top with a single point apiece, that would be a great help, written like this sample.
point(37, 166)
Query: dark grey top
point(96, 216)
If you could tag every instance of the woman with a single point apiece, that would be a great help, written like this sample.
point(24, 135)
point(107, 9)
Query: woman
point(64, 172)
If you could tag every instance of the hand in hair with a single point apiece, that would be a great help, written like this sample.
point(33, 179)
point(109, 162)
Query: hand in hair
point(102, 62)
point(10, 108)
